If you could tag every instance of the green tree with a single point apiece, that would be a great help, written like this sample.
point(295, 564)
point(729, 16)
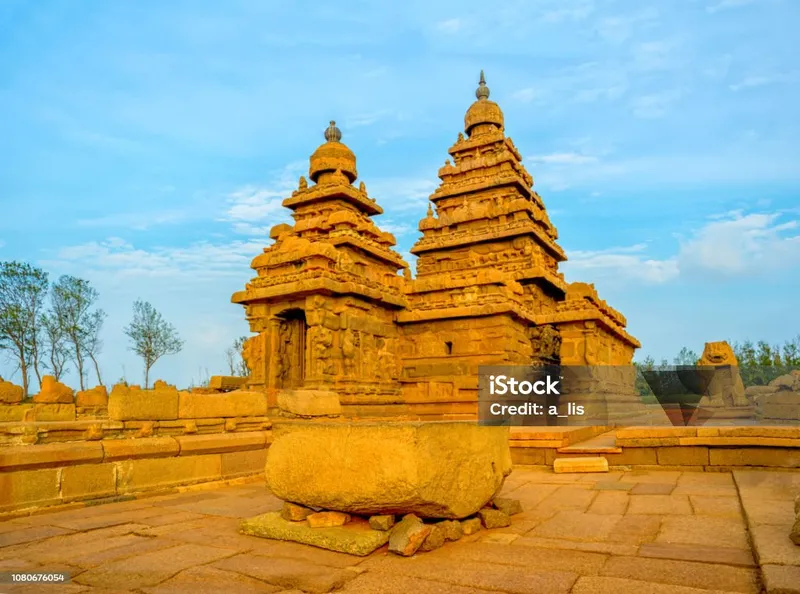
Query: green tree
point(55, 345)
point(151, 336)
point(791, 352)
point(686, 356)
point(23, 291)
point(73, 300)
point(236, 363)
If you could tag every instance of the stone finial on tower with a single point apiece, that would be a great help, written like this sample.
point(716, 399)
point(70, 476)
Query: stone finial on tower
point(332, 133)
point(482, 91)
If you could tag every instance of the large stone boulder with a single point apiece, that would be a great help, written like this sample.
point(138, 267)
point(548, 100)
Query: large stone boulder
point(54, 392)
point(431, 469)
point(97, 397)
point(10, 393)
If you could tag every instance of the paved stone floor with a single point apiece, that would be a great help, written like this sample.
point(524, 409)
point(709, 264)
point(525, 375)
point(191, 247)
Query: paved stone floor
point(638, 532)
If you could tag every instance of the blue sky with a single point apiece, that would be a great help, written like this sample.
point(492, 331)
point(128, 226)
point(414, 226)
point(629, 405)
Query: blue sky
point(147, 146)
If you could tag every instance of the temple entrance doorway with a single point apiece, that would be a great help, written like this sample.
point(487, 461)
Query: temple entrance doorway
point(291, 349)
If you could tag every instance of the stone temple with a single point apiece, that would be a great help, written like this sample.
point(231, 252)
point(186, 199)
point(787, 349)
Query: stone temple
point(335, 308)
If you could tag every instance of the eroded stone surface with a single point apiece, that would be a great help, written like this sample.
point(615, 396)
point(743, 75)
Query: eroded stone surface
point(408, 535)
point(10, 393)
point(356, 538)
point(383, 522)
point(54, 392)
point(437, 470)
point(493, 518)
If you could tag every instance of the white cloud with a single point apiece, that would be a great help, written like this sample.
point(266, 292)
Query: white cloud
point(726, 5)
point(729, 245)
point(563, 159)
point(138, 221)
point(738, 244)
point(654, 105)
point(450, 26)
point(403, 194)
point(526, 95)
point(621, 264)
point(751, 82)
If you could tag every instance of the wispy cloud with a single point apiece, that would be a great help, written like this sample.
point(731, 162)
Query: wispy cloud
point(526, 95)
point(563, 159)
point(655, 105)
point(138, 221)
point(751, 82)
point(731, 245)
point(727, 5)
point(450, 26)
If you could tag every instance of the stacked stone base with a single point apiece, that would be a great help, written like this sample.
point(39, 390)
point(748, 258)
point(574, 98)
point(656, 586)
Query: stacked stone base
point(358, 535)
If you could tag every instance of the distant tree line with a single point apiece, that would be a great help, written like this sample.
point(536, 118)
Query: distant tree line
point(759, 362)
point(45, 327)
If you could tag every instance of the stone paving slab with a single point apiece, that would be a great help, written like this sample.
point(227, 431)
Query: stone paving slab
point(646, 532)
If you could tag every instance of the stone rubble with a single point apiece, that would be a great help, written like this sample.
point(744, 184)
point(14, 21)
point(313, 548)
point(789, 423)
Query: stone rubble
point(384, 522)
point(510, 507)
point(493, 518)
point(435, 539)
point(408, 535)
point(327, 519)
point(294, 512)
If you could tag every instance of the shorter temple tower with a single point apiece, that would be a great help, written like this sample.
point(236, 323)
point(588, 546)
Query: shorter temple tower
point(323, 301)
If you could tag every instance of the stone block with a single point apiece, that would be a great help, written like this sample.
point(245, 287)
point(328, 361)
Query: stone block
point(470, 526)
point(131, 403)
point(437, 470)
point(54, 392)
point(29, 488)
point(355, 538)
point(137, 448)
point(408, 535)
point(781, 579)
point(14, 413)
point(493, 518)
point(794, 533)
point(771, 457)
point(382, 522)
point(246, 463)
point(159, 473)
point(294, 512)
point(434, 540)
point(683, 456)
point(10, 393)
point(327, 519)
point(226, 382)
point(238, 403)
point(221, 442)
point(452, 529)
point(508, 506)
point(53, 412)
point(88, 481)
point(580, 464)
point(51, 455)
point(310, 403)
point(96, 397)
point(528, 456)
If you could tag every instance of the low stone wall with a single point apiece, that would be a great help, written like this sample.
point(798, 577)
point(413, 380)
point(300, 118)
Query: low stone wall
point(710, 449)
point(57, 473)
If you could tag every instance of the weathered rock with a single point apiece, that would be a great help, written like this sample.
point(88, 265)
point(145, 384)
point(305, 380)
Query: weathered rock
point(435, 470)
point(434, 540)
point(97, 397)
point(54, 392)
point(327, 519)
point(452, 529)
point(754, 392)
point(131, 403)
point(294, 512)
point(226, 383)
point(408, 535)
point(795, 532)
point(310, 403)
point(784, 382)
point(580, 464)
point(470, 526)
point(493, 518)
point(10, 393)
point(382, 522)
point(507, 505)
point(355, 538)
point(797, 505)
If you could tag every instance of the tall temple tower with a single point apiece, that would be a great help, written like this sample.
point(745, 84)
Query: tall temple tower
point(488, 290)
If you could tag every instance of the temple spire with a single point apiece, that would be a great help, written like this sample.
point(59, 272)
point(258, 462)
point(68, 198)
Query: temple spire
point(483, 91)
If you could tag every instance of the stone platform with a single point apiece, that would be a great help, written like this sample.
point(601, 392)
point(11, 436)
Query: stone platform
point(660, 532)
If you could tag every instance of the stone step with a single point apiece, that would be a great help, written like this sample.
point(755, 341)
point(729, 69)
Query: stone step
point(583, 464)
point(605, 443)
